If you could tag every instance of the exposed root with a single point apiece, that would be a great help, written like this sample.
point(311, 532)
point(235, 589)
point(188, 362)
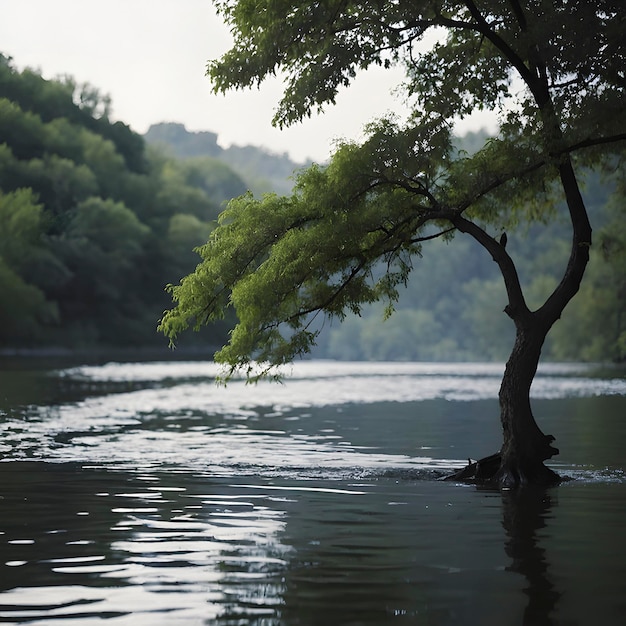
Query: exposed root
point(478, 471)
point(490, 470)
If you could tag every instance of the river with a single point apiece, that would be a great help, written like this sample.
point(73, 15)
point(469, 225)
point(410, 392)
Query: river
point(145, 494)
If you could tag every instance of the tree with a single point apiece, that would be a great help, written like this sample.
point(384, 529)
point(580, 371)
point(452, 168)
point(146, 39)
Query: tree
point(554, 73)
point(90, 219)
point(24, 310)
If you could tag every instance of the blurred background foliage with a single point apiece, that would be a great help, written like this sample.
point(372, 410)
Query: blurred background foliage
point(95, 220)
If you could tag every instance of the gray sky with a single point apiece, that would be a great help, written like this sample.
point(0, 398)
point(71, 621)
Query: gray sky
point(150, 57)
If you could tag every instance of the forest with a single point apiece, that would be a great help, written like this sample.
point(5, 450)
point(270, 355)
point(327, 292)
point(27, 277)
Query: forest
point(95, 221)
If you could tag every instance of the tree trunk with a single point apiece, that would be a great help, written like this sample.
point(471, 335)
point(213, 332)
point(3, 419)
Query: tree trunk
point(525, 447)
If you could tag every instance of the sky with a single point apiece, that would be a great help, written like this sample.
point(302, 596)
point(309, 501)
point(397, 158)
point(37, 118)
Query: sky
point(150, 56)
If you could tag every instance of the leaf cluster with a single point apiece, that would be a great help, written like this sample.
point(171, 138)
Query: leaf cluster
point(279, 261)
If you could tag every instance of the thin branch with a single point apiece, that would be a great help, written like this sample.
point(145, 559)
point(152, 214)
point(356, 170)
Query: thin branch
point(579, 253)
point(417, 189)
point(390, 236)
point(595, 141)
point(483, 27)
point(519, 14)
point(435, 236)
point(498, 181)
point(328, 301)
point(567, 83)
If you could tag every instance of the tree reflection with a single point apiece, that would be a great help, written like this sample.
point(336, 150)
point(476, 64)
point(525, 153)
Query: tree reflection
point(524, 513)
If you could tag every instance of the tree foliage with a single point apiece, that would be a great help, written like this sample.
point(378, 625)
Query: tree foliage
point(92, 223)
point(349, 234)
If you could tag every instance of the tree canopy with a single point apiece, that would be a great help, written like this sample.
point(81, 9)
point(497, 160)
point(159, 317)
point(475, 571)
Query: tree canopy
point(348, 236)
point(93, 223)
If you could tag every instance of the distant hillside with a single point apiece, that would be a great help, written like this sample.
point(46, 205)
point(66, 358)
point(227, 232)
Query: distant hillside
point(262, 170)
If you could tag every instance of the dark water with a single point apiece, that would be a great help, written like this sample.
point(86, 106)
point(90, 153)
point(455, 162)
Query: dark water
point(143, 494)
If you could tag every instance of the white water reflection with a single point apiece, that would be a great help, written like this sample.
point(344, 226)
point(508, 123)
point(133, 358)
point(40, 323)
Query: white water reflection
point(323, 383)
point(190, 575)
point(177, 416)
point(190, 557)
point(152, 440)
point(164, 370)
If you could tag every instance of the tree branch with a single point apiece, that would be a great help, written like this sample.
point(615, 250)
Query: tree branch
point(579, 254)
point(434, 236)
point(517, 308)
point(595, 141)
point(510, 54)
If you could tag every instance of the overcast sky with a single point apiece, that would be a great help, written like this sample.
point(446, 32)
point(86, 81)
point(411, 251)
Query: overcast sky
point(150, 57)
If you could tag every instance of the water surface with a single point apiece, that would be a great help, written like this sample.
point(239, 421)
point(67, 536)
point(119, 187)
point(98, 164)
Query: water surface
point(142, 493)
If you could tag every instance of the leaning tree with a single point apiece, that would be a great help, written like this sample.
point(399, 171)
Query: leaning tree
point(552, 70)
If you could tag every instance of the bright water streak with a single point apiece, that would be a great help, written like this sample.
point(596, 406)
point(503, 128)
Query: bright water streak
point(177, 416)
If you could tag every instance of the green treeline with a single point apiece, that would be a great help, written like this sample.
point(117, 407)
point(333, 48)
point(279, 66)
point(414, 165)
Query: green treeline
point(95, 220)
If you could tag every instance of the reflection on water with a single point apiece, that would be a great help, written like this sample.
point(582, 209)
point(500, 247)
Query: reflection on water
point(134, 544)
point(524, 513)
point(323, 383)
point(144, 494)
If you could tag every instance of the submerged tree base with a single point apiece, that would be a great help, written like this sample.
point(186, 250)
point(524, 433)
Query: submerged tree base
point(490, 470)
